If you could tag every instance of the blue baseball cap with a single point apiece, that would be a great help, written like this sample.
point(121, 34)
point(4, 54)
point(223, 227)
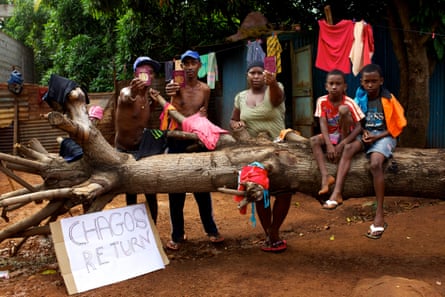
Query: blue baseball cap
point(146, 60)
point(191, 54)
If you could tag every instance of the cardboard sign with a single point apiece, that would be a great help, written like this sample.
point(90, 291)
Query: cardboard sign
point(102, 248)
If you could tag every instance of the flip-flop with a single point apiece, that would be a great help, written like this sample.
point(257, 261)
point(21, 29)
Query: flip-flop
point(376, 232)
point(216, 238)
point(275, 247)
point(331, 204)
point(174, 246)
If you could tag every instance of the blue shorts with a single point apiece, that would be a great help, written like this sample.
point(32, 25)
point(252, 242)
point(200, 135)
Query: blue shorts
point(385, 145)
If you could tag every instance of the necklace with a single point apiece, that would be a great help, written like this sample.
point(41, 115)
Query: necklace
point(145, 103)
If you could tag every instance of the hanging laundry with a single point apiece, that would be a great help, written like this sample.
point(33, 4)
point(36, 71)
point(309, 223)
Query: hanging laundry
point(254, 51)
point(202, 72)
point(274, 49)
point(334, 46)
point(209, 68)
point(212, 70)
point(168, 68)
point(363, 46)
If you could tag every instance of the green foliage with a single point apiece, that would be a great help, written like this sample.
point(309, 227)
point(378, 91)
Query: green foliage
point(126, 27)
point(27, 26)
point(66, 40)
point(90, 40)
point(429, 19)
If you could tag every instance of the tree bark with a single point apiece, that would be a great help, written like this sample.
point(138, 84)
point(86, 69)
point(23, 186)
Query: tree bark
point(412, 54)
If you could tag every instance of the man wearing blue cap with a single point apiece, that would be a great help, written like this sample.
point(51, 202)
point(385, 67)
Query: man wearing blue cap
point(189, 100)
point(132, 116)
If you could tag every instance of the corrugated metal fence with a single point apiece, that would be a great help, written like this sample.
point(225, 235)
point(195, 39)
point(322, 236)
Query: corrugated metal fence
point(28, 108)
point(436, 129)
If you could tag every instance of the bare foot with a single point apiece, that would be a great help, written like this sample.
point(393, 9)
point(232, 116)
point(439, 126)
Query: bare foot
point(325, 184)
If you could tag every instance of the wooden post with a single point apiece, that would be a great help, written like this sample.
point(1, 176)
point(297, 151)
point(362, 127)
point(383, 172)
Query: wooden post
point(328, 14)
point(16, 125)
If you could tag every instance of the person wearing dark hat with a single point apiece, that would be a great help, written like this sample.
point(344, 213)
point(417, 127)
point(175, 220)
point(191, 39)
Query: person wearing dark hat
point(189, 100)
point(133, 111)
point(261, 108)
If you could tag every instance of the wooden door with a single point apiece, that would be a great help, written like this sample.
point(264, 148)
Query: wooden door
point(302, 94)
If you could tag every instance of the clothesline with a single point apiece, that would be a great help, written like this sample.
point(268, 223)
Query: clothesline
point(219, 51)
point(433, 34)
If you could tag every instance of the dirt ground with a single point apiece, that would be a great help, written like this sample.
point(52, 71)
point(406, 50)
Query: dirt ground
point(327, 252)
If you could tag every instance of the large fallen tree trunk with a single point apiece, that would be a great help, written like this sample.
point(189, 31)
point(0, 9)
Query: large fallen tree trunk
point(103, 172)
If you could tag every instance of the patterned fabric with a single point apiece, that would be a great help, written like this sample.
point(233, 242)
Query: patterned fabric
point(209, 68)
point(202, 72)
point(274, 49)
point(255, 51)
point(324, 108)
point(212, 70)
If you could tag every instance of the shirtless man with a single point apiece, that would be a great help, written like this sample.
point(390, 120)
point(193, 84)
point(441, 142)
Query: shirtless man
point(189, 100)
point(133, 111)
